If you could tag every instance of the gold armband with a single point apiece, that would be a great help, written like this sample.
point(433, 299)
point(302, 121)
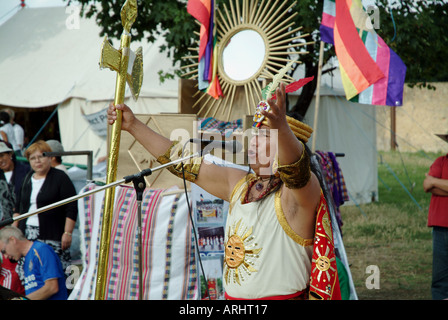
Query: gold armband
point(296, 175)
point(191, 166)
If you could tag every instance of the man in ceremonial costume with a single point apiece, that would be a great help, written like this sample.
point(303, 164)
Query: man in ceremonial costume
point(279, 242)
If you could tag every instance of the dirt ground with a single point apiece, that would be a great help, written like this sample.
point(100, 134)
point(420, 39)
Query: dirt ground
point(423, 114)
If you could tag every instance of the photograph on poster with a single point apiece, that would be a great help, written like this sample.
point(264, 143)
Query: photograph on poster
point(212, 287)
point(211, 239)
point(209, 211)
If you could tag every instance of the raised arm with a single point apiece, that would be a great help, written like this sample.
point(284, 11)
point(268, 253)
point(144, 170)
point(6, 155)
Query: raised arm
point(290, 150)
point(301, 194)
point(216, 180)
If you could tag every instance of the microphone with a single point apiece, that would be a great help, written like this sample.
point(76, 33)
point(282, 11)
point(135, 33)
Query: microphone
point(231, 146)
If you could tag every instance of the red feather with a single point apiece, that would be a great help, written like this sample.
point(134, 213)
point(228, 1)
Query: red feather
point(295, 85)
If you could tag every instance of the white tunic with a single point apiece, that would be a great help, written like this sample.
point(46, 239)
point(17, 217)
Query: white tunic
point(264, 257)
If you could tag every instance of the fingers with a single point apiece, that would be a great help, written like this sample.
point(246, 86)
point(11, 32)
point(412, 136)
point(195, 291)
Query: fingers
point(280, 92)
point(112, 112)
point(278, 106)
point(281, 97)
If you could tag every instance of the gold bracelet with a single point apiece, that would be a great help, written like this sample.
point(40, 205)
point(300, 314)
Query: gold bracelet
point(191, 166)
point(296, 175)
point(66, 232)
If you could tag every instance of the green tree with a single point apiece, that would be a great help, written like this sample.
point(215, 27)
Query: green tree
point(416, 31)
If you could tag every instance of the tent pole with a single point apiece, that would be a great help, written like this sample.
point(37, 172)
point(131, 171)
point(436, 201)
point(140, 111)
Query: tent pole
point(316, 111)
point(393, 128)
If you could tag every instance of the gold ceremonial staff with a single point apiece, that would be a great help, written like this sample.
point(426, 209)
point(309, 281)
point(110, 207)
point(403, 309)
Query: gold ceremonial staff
point(129, 68)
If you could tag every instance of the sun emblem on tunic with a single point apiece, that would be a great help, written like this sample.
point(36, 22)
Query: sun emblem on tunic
point(240, 253)
point(323, 264)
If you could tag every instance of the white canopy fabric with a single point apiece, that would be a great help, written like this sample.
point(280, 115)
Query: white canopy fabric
point(348, 128)
point(48, 59)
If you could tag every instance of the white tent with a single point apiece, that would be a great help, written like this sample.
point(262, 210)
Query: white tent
point(350, 129)
point(48, 59)
point(347, 128)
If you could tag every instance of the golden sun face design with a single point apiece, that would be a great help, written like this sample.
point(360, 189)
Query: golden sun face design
point(235, 252)
point(323, 264)
point(240, 253)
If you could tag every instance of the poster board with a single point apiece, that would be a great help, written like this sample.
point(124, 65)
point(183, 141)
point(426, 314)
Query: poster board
point(210, 216)
point(133, 157)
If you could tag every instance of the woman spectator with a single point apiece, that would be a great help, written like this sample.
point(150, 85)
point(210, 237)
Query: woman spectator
point(43, 186)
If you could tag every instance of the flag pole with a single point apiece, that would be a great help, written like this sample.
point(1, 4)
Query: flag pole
point(316, 111)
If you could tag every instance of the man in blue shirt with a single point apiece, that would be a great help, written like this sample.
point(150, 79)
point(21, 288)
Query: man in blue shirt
point(44, 277)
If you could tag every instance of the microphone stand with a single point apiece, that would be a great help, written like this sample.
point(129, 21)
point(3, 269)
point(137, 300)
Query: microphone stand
point(139, 185)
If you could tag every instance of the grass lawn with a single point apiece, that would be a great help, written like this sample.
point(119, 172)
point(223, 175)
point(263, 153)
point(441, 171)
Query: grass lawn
point(392, 233)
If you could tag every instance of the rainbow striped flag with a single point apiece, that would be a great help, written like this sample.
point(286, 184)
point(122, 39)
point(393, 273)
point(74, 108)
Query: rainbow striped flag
point(203, 11)
point(371, 72)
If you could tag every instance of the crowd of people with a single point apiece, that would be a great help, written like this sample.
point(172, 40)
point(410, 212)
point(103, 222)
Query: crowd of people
point(35, 251)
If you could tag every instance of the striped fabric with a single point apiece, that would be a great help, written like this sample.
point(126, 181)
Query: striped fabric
point(335, 181)
point(201, 10)
point(334, 177)
point(214, 87)
point(327, 23)
point(371, 72)
point(169, 249)
point(204, 12)
point(223, 127)
point(169, 268)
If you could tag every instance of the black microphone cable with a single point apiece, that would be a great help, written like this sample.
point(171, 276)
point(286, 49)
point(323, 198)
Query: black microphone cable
point(194, 229)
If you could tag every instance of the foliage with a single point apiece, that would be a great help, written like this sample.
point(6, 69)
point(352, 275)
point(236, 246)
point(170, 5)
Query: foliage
point(420, 38)
point(168, 18)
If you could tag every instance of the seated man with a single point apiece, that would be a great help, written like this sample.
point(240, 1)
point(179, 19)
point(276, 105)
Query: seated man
point(44, 277)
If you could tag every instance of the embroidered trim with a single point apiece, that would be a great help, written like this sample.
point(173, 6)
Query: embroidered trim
point(299, 295)
point(285, 225)
point(241, 187)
